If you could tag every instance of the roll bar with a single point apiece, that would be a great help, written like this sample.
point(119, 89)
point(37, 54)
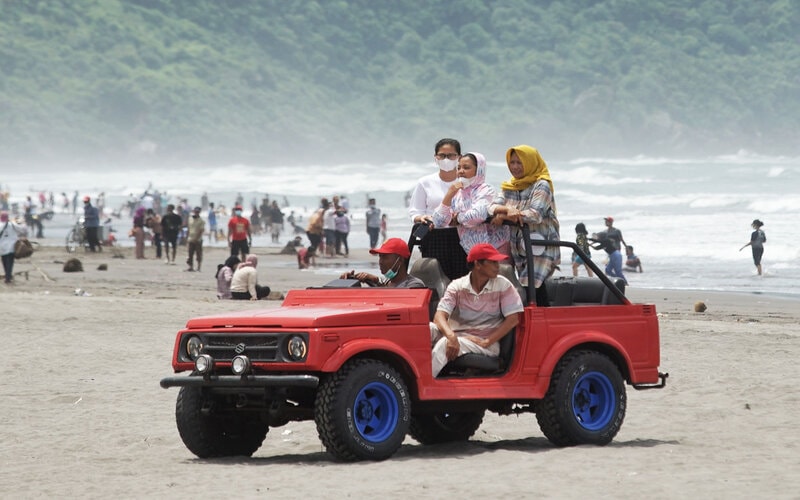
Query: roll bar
point(420, 230)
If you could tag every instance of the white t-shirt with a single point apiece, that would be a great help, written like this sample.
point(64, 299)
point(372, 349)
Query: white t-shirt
point(329, 219)
point(245, 279)
point(427, 195)
point(9, 233)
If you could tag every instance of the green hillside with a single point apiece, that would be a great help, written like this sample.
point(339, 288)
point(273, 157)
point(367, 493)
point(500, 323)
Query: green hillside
point(287, 81)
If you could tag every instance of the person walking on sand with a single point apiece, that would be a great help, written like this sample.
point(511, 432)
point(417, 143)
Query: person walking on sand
point(10, 232)
point(581, 240)
point(197, 227)
point(757, 240)
point(153, 221)
point(212, 222)
point(138, 231)
point(373, 216)
point(170, 227)
point(91, 221)
point(240, 239)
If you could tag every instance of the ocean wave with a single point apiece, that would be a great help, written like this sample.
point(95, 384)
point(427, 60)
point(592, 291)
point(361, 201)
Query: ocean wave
point(742, 156)
point(691, 200)
point(597, 177)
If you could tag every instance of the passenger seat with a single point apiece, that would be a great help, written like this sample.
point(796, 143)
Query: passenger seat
point(430, 272)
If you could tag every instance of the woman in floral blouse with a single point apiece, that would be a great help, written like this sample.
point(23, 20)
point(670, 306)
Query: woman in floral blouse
point(466, 203)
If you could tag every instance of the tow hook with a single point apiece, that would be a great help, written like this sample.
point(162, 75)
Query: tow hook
point(659, 385)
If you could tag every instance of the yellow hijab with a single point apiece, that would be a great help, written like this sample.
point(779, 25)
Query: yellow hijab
point(534, 168)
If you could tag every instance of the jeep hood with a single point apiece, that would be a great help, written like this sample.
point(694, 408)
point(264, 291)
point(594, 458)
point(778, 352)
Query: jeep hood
point(323, 308)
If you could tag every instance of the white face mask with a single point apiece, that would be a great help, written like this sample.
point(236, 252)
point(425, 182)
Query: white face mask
point(446, 165)
point(466, 182)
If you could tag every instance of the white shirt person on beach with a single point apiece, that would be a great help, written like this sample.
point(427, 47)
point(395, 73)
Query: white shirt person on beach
point(431, 188)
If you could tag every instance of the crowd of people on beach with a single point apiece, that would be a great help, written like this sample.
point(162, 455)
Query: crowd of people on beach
point(479, 226)
point(456, 196)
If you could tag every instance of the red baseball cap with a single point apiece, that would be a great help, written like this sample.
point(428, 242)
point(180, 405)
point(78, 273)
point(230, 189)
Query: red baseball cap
point(484, 251)
point(395, 246)
point(609, 218)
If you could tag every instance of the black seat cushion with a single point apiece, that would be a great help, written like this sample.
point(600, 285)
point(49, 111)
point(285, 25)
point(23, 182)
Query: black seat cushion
point(480, 364)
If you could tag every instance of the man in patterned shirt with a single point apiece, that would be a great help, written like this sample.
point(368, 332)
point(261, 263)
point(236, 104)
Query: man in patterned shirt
point(477, 310)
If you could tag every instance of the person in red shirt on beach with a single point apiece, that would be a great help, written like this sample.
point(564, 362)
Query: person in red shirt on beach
point(239, 237)
point(306, 257)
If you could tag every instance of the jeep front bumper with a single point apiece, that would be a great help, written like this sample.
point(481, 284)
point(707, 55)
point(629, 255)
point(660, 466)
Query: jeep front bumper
point(310, 381)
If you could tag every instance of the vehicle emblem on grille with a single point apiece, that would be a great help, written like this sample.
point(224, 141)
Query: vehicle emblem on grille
point(240, 348)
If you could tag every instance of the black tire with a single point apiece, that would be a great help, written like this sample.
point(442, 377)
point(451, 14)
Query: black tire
point(363, 411)
point(585, 403)
point(216, 433)
point(445, 427)
point(72, 241)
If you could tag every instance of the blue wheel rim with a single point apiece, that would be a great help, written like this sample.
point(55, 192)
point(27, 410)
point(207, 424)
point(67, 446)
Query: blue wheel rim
point(375, 412)
point(593, 401)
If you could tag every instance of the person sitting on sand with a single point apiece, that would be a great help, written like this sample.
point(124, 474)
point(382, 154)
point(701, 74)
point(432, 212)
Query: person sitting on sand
point(292, 246)
point(393, 258)
point(306, 257)
point(244, 284)
point(632, 262)
point(225, 275)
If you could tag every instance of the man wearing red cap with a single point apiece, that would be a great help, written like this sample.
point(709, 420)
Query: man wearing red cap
point(477, 310)
point(239, 237)
point(393, 258)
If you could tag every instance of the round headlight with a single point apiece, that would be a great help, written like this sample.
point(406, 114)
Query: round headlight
point(297, 348)
point(204, 364)
point(194, 346)
point(240, 365)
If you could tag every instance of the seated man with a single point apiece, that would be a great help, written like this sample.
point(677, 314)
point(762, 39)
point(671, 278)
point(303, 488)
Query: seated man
point(393, 263)
point(477, 310)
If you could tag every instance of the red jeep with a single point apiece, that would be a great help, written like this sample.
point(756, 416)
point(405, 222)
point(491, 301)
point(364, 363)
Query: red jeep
point(358, 362)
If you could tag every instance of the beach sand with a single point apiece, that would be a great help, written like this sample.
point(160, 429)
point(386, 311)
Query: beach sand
point(83, 414)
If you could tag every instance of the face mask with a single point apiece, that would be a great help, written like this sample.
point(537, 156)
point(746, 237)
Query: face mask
point(466, 182)
point(391, 273)
point(237, 212)
point(446, 165)
point(195, 215)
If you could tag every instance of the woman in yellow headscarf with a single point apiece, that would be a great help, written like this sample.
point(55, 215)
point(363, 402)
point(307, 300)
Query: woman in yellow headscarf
point(527, 198)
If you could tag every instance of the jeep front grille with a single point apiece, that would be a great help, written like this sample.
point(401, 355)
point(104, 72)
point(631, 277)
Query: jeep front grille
point(259, 347)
